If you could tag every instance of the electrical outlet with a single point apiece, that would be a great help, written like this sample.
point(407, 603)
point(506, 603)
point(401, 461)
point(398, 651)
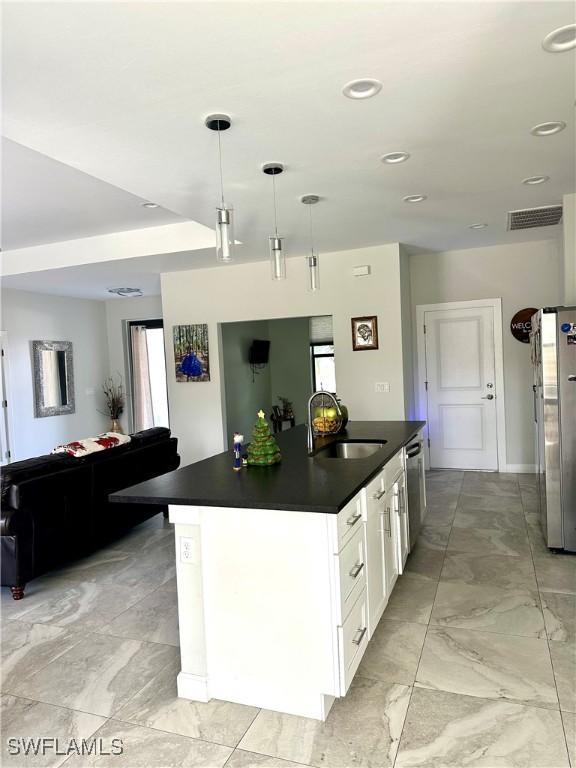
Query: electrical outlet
point(187, 550)
point(382, 386)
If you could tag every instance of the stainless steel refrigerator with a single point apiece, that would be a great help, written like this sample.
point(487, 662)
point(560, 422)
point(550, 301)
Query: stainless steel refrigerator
point(553, 340)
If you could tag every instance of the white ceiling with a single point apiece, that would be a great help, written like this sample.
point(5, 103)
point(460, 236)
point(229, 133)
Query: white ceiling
point(46, 201)
point(119, 91)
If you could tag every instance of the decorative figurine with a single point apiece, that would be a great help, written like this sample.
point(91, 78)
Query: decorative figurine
point(238, 440)
point(263, 449)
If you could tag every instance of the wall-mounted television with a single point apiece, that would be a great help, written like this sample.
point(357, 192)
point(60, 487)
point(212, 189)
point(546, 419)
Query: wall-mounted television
point(259, 352)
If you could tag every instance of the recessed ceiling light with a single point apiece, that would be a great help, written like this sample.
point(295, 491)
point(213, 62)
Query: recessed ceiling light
point(548, 129)
point(392, 158)
point(150, 205)
point(362, 89)
point(478, 225)
point(414, 198)
point(561, 39)
point(532, 180)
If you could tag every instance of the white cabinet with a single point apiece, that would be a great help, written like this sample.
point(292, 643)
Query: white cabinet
point(400, 516)
point(277, 607)
point(376, 578)
point(390, 538)
point(387, 535)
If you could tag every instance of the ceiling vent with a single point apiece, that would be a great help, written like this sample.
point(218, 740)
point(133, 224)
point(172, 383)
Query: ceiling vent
point(545, 216)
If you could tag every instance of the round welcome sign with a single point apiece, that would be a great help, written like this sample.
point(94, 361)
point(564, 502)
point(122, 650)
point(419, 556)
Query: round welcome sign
point(521, 324)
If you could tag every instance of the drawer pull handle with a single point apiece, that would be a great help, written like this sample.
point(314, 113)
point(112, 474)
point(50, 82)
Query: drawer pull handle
point(388, 528)
point(359, 636)
point(356, 570)
point(353, 520)
point(378, 495)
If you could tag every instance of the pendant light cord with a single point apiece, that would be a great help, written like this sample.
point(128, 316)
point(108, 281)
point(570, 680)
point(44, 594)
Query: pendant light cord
point(220, 163)
point(274, 196)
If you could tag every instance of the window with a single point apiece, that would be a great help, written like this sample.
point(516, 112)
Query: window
point(148, 374)
point(323, 368)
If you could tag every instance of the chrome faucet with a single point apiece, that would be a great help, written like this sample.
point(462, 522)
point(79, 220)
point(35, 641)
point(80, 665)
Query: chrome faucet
point(310, 425)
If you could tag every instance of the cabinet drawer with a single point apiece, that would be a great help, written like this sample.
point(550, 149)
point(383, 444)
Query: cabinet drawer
point(352, 568)
point(352, 641)
point(394, 467)
point(349, 520)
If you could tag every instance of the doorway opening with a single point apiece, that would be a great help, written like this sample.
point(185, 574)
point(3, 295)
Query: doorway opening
point(300, 357)
point(149, 395)
point(5, 421)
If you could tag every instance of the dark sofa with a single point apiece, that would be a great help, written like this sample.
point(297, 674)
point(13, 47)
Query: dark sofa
point(55, 508)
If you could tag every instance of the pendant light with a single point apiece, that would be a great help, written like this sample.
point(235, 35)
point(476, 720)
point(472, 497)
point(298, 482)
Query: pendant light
point(277, 257)
point(312, 258)
point(224, 219)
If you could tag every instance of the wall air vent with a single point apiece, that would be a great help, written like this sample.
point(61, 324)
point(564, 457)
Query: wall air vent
point(545, 216)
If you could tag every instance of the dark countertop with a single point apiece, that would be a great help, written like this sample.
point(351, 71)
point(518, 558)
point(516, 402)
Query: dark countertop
point(300, 482)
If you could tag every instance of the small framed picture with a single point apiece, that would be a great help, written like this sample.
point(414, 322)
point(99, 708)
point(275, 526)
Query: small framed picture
point(364, 333)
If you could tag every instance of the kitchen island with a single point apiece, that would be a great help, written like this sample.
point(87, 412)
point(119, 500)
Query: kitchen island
point(283, 572)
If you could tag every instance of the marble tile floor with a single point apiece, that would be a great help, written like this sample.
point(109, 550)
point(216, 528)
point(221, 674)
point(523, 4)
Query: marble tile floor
point(473, 663)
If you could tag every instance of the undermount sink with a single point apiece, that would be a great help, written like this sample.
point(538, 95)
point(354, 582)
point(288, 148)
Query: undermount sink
point(349, 450)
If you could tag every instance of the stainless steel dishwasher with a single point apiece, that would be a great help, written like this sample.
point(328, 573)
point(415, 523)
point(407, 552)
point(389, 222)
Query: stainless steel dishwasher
point(416, 489)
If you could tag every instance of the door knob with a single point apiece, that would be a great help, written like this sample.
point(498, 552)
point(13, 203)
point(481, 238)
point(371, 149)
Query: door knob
point(487, 397)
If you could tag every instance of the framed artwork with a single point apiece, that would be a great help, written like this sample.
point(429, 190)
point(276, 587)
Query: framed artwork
point(191, 357)
point(364, 333)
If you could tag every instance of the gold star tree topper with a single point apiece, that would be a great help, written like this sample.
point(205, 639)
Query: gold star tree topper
point(260, 414)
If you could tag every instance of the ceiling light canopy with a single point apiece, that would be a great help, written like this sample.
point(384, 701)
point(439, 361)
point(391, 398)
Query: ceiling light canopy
point(150, 205)
point(533, 180)
point(561, 39)
point(362, 89)
point(277, 257)
point(224, 220)
point(391, 158)
point(133, 293)
point(478, 225)
point(548, 129)
point(414, 198)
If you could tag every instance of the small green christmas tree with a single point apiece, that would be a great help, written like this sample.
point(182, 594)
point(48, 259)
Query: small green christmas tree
point(263, 449)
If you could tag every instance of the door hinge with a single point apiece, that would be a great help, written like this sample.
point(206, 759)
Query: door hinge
point(428, 442)
point(424, 329)
point(8, 455)
point(4, 403)
point(426, 385)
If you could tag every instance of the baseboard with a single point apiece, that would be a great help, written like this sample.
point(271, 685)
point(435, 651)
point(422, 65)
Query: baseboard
point(192, 687)
point(520, 468)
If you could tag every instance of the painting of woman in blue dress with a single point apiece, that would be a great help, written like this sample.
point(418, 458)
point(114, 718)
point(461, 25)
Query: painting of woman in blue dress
point(191, 352)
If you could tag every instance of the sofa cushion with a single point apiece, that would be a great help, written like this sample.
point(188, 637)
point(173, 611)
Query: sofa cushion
point(20, 471)
point(147, 436)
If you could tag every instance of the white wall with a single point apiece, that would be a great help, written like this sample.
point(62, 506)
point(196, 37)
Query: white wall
point(244, 396)
point(34, 316)
point(569, 225)
point(522, 275)
point(117, 311)
point(245, 292)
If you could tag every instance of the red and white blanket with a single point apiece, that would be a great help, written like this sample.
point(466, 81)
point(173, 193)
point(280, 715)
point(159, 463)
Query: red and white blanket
point(89, 445)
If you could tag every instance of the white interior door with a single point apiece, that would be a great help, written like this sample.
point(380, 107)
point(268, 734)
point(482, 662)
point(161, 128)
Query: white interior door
point(461, 388)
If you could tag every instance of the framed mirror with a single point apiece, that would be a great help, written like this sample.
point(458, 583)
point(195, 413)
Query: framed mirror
point(53, 373)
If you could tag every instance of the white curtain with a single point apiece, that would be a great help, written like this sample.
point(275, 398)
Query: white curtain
point(141, 390)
